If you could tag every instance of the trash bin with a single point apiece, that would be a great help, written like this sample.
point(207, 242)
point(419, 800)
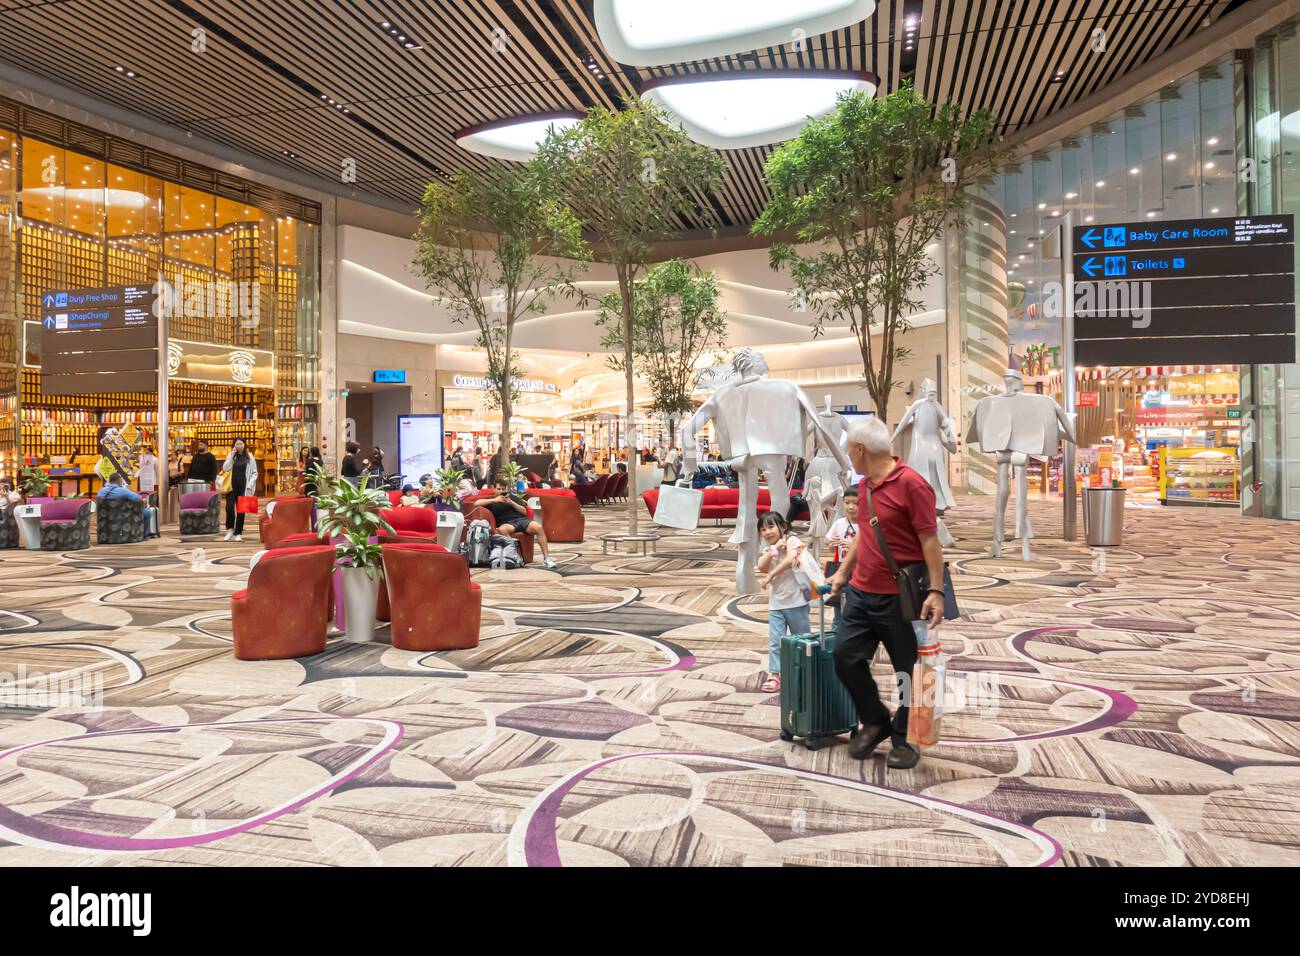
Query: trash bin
point(186, 487)
point(1103, 517)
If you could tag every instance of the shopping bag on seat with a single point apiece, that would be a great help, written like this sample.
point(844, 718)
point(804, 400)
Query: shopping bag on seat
point(678, 506)
point(246, 505)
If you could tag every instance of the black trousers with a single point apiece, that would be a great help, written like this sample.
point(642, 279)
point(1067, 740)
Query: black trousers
point(233, 519)
point(865, 622)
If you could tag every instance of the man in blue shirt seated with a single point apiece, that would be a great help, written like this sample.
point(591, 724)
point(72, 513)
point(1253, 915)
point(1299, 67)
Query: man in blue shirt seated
point(114, 488)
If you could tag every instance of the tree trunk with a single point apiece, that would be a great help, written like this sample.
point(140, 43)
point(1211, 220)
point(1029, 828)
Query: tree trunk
point(506, 406)
point(625, 287)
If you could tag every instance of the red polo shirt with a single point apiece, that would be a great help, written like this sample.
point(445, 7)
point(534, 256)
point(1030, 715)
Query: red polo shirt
point(904, 503)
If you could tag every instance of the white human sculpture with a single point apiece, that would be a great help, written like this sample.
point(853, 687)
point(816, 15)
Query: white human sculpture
point(824, 480)
point(757, 422)
point(1016, 426)
point(932, 433)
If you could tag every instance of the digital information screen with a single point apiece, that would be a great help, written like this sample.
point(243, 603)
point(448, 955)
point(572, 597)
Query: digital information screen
point(419, 446)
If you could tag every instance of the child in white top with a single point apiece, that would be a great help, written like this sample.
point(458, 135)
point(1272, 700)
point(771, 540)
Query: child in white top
point(844, 532)
point(787, 605)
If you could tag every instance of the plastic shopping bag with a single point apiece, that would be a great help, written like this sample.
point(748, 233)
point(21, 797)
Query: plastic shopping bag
point(807, 572)
point(926, 709)
point(246, 504)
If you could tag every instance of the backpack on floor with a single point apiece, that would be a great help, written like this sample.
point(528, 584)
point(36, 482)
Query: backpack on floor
point(505, 554)
point(477, 549)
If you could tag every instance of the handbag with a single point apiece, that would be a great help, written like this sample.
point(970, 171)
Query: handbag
point(223, 482)
point(914, 579)
point(678, 507)
point(246, 505)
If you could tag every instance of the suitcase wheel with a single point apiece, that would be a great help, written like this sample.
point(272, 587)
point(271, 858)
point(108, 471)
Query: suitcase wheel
point(786, 735)
point(813, 743)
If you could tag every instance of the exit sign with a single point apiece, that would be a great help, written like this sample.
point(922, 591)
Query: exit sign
point(390, 376)
point(1234, 412)
point(1087, 399)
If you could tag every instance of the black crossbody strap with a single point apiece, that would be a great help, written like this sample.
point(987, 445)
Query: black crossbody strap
point(880, 535)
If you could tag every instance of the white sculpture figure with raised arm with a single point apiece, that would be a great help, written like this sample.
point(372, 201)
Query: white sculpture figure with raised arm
point(825, 481)
point(932, 433)
point(757, 422)
point(1016, 426)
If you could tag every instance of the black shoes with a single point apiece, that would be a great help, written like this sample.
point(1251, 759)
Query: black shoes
point(866, 740)
point(904, 757)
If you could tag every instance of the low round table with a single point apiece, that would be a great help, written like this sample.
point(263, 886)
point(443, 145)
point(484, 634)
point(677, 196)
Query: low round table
point(649, 539)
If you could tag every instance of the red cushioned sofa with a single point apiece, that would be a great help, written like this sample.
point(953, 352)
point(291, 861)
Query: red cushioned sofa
point(721, 503)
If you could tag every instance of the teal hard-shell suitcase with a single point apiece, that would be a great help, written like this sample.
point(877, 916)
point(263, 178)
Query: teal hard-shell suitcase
point(814, 704)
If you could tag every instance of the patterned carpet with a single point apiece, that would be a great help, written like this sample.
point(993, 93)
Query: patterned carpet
point(1134, 708)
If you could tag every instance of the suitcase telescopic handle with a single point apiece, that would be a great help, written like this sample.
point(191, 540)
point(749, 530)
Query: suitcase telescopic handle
point(822, 590)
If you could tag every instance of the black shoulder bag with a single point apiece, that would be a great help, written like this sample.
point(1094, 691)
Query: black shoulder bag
point(914, 579)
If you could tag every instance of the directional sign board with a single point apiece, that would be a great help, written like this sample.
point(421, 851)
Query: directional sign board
point(1194, 291)
point(98, 340)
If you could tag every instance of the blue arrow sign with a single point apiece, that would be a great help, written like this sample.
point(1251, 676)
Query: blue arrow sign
point(48, 301)
point(1090, 266)
point(1090, 237)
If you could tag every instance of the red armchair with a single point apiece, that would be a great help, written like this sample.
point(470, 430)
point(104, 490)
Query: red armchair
point(394, 498)
point(562, 517)
point(420, 520)
point(591, 492)
point(292, 516)
point(618, 486)
point(525, 540)
point(284, 611)
point(435, 606)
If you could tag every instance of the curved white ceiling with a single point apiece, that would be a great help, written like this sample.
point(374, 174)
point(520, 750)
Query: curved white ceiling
point(379, 295)
point(658, 32)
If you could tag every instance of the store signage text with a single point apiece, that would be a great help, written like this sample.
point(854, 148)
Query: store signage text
point(390, 376)
point(522, 384)
point(1187, 232)
point(1088, 399)
point(220, 364)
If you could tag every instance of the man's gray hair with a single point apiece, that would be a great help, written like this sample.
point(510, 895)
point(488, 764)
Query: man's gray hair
point(872, 434)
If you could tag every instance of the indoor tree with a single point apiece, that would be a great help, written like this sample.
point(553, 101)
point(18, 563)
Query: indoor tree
point(857, 197)
point(494, 246)
point(634, 179)
point(675, 322)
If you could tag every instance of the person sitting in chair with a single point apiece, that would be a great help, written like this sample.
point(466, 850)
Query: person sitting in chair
point(510, 514)
point(116, 488)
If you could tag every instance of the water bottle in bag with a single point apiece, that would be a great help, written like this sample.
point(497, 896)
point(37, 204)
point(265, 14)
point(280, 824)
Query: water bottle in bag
point(926, 708)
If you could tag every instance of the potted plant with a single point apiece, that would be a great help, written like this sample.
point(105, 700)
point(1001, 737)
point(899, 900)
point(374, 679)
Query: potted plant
point(350, 516)
point(511, 472)
point(446, 486)
point(34, 483)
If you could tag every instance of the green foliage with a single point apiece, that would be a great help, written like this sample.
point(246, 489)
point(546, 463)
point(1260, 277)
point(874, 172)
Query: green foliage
point(675, 322)
point(35, 483)
point(353, 512)
point(632, 177)
point(324, 482)
point(869, 186)
point(493, 246)
point(364, 555)
point(510, 471)
point(447, 483)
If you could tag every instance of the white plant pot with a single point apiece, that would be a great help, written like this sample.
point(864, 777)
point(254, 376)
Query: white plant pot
point(360, 594)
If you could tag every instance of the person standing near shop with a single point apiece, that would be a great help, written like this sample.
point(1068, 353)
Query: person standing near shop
point(375, 464)
point(148, 476)
point(243, 481)
point(350, 467)
point(902, 503)
point(203, 465)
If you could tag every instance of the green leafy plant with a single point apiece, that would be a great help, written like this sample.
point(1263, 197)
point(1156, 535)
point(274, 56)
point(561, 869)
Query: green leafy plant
point(446, 483)
point(676, 321)
point(857, 197)
point(353, 512)
point(322, 480)
point(493, 246)
point(35, 483)
point(633, 177)
point(510, 471)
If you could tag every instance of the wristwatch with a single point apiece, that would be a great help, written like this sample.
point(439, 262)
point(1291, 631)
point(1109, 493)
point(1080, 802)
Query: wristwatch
point(938, 591)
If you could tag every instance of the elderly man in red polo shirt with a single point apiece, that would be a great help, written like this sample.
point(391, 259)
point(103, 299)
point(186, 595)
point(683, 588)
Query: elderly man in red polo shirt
point(903, 502)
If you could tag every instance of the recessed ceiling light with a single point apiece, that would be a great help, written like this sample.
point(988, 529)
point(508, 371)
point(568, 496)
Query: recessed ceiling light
point(654, 32)
point(1070, 195)
point(1100, 183)
point(1212, 141)
point(1209, 165)
point(1134, 171)
point(1087, 219)
point(1042, 205)
point(1171, 156)
point(515, 138)
point(1214, 211)
point(754, 108)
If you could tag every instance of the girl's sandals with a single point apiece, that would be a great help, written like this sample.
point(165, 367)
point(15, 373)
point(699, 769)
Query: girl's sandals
point(772, 684)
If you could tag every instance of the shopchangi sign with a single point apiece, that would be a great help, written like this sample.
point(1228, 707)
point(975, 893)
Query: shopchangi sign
point(522, 384)
point(1195, 291)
